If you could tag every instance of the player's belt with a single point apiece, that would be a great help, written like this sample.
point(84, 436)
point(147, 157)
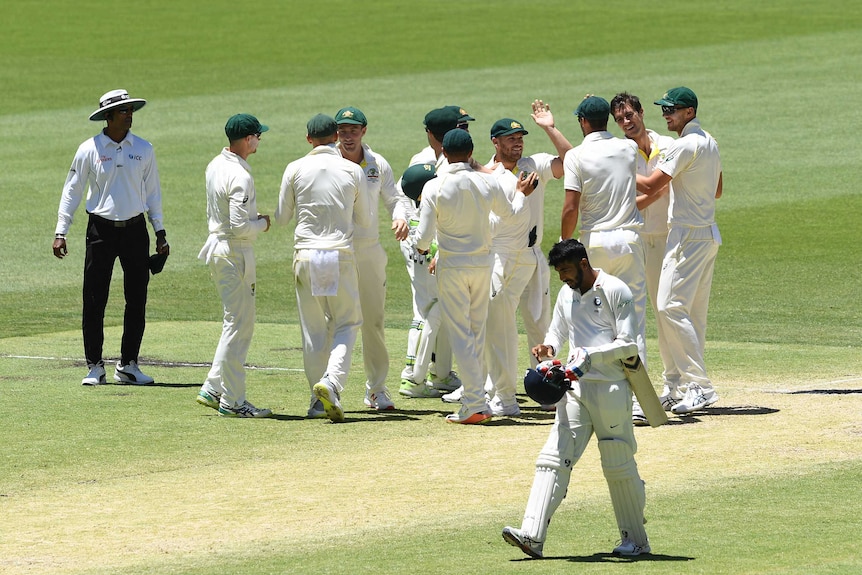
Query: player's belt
point(121, 223)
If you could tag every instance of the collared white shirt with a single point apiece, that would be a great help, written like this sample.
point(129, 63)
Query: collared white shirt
point(603, 319)
point(121, 181)
point(380, 183)
point(535, 203)
point(694, 163)
point(327, 194)
point(456, 205)
point(231, 198)
point(604, 170)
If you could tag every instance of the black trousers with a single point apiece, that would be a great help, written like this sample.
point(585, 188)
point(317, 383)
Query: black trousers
point(107, 241)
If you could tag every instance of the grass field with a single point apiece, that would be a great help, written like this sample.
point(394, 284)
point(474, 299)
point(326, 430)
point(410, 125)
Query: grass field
point(143, 480)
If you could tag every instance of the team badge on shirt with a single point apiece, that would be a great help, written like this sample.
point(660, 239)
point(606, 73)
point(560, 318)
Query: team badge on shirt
point(372, 173)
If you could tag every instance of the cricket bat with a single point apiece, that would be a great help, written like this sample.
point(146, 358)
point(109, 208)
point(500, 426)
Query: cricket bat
point(642, 387)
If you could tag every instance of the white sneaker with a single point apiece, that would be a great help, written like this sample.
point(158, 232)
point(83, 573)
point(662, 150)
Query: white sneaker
point(695, 398)
point(96, 376)
point(669, 397)
point(131, 373)
point(517, 538)
point(379, 400)
point(638, 417)
point(244, 410)
point(630, 548)
point(455, 396)
point(450, 382)
point(315, 409)
point(327, 393)
point(500, 409)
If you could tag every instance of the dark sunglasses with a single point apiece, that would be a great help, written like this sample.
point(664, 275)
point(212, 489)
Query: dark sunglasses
point(669, 110)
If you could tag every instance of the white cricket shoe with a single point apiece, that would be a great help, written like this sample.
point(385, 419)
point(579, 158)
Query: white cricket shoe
point(629, 548)
point(243, 410)
point(449, 382)
point(500, 409)
point(328, 395)
point(638, 417)
point(695, 398)
point(131, 373)
point(669, 397)
point(518, 538)
point(379, 400)
point(455, 396)
point(315, 409)
point(96, 375)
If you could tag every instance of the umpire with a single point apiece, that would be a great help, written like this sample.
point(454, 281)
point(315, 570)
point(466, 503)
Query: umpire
point(118, 171)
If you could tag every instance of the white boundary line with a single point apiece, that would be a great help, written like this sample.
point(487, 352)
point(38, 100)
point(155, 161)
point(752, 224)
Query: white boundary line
point(151, 362)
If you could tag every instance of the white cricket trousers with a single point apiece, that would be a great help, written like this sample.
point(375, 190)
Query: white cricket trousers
point(683, 300)
point(654, 250)
point(538, 288)
point(427, 335)
point(329, 324)
point(510, 275)
point(371, 263)
point(233, 270)
point(464, 303)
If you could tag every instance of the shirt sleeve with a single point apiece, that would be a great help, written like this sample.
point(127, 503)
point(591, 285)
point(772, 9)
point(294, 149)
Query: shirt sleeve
point(153, 188)
point(558, 331)
point(243, 224)
point(571, 174)
point(395, 201)
point(73, 189)
point(286, 197)
point(427, 228)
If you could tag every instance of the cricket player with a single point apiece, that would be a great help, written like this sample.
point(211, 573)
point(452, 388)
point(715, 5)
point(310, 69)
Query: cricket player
point(327, 194)
point(629, 115)
point(692, 168)
point(456, 209)
point(517, 256)
point(234, 224)
point(425, 334)
point(370, 256)
point(595, 316)
point(118, 171)
point(600, 185)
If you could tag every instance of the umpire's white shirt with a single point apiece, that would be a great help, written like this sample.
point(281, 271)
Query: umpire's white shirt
point(121, 179)
point(327, 193)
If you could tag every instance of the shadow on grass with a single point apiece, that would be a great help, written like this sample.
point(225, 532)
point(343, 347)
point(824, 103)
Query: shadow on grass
point(610, 558)
point(720, 411)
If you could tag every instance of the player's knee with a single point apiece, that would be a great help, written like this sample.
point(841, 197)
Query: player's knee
point(618, 463)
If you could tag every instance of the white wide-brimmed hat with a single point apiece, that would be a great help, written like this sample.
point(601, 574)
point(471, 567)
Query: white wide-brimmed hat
point(114, 99)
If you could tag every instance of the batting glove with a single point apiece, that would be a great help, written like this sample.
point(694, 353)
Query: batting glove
point(579, 364)
point(544, 366)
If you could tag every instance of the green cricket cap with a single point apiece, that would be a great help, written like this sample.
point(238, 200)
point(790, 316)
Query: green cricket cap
point(441, 120)
point(351, 115)
point(680, 96)
point(414, 179)
point(463, 116)
point(507, 126)
point(458, 141)
point(593, 108)
point(321, 126)
point(241, 125)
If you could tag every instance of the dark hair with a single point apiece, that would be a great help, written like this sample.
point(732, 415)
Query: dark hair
point(624, 98)
point(570, 250)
